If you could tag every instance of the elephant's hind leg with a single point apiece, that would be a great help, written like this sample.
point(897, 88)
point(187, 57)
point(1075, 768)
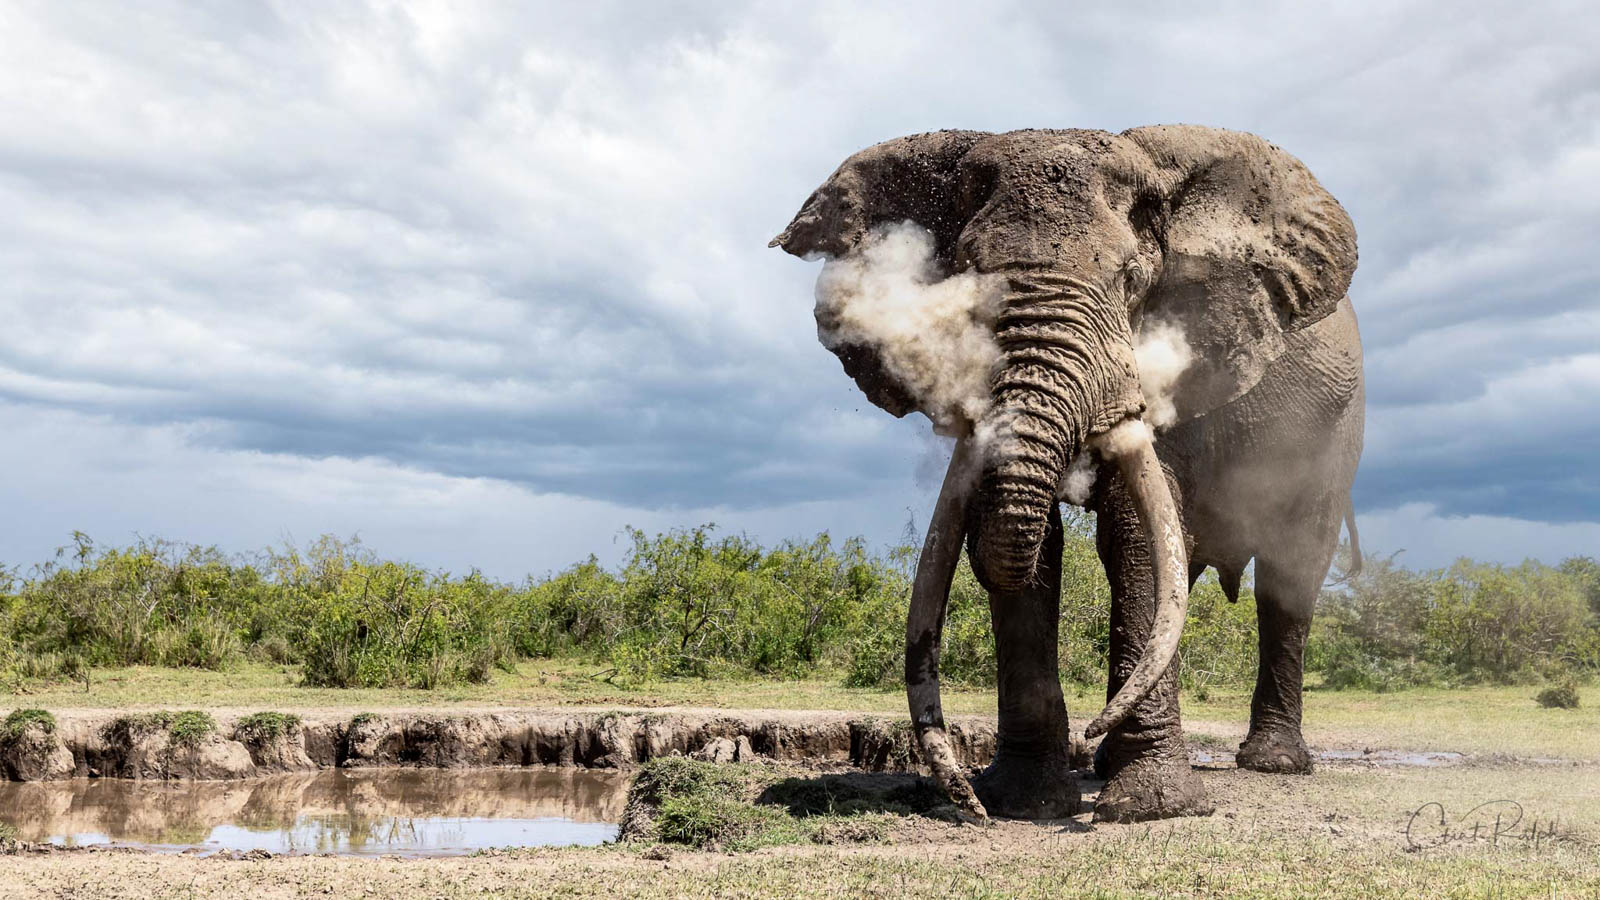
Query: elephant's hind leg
point(1145, 759)
point(1285, 597)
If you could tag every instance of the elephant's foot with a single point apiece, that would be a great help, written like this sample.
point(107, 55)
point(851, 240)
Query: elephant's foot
point(1157, 783)
point(1013, 788)
point(1280, 752)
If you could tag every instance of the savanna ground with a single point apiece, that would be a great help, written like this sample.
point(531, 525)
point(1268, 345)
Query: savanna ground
point(1353, 828)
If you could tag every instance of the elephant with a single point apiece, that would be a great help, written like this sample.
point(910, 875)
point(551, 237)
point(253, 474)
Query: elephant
point(1094, 239)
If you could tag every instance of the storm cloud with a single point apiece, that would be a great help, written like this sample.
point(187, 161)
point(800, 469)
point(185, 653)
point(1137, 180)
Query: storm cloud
point(516, 253)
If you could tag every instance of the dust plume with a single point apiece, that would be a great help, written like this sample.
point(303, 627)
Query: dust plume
point(934, 335)
point(1077, 482)
point(1162, 354)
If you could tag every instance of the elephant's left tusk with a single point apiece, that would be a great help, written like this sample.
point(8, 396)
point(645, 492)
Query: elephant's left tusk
point(930, 594)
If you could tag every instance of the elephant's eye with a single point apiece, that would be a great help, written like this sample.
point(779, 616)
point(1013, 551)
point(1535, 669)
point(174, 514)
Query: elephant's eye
point(1135, 278)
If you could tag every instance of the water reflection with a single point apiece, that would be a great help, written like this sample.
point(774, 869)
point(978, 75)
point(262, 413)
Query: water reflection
point(405, 811)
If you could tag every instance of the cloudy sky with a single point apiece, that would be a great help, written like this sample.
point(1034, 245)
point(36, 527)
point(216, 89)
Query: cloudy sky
point(485, 282)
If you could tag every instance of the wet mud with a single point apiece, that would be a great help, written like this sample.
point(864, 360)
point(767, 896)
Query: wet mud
point(98, 745)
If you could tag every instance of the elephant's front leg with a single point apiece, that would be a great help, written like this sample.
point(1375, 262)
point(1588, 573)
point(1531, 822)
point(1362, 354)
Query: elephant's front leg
point(1031, 776)
point(1145, 760)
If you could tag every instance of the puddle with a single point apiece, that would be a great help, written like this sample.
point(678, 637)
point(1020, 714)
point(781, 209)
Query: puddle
point(1374, 757)
point(407, 812)
point(1392, 757)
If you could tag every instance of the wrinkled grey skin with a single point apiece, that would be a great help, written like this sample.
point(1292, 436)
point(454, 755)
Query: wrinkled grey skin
point(1098, 234)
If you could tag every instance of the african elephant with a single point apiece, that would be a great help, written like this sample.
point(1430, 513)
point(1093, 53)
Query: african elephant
point(1095, 238)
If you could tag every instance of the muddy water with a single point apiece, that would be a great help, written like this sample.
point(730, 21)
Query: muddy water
point(409, 812)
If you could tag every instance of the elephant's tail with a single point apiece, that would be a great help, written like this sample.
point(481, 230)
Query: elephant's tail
point(1355, 537)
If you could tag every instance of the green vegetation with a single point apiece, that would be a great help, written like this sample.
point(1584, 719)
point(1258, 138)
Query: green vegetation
point(137, 725)
point(259, 728)
point(710, 806)
point(1559, 696)
point(191, 727)
point(1470, 623)
point(19, 721)
point(184, 729)
point(695, 604)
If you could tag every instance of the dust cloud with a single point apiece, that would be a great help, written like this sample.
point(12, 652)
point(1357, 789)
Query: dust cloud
point(934, 335)
point(1162, 355)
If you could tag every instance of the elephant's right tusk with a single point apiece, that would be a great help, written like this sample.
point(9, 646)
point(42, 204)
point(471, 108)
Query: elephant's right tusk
point(930, 594)
point(1131, 445)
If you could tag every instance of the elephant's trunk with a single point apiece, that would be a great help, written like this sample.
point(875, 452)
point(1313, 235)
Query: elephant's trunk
point(1065, 368)
point(1068, 372)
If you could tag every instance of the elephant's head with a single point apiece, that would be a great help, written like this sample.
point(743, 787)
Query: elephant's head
point(1219, 233)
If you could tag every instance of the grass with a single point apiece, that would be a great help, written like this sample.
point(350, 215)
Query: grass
point(261, 727)
point(18, 721)
point(190, 727)
point(184, 729)
point(740, 808)
point(1478, 720)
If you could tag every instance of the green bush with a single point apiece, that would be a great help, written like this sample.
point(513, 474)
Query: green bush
point(190, 727)
point(692, 603)
point(155, 603)
point(385, 624)
point(1391, 627)
point(258, 728)
point(19, 721)
point(1219, 638)
point(741, 807)
point(1560, 696)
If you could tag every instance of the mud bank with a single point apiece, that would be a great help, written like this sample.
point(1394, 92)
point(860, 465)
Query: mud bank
point(105, 744)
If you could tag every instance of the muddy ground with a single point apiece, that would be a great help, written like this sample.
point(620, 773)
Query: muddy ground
point(1372, 821)
point(109, 743)
point(1350, 829)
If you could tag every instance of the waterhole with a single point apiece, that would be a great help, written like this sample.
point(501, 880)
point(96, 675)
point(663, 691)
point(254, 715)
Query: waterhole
point(407, 812)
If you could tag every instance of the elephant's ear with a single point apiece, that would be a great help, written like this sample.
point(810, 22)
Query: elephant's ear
point(915, 178)
point(1253, 248)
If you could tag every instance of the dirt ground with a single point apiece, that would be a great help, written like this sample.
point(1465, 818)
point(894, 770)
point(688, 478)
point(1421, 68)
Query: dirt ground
point(1469, 827)
point(1516, 813)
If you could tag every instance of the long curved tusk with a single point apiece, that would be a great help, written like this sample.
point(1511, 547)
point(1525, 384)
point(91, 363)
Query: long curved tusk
point(930, 595)
point(1130, 444)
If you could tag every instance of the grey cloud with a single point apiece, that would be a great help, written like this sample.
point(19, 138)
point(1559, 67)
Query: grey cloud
point(527, 242)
